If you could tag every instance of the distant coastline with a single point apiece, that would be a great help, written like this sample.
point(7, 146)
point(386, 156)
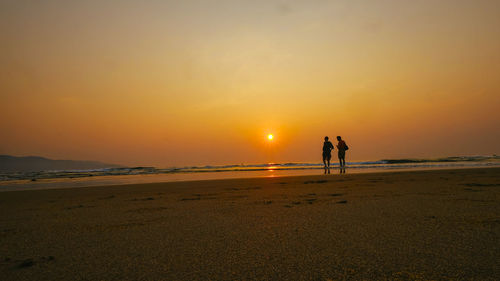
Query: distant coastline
point(9, 164)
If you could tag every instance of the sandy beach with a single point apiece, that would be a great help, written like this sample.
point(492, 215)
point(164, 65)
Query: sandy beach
point(420, 225)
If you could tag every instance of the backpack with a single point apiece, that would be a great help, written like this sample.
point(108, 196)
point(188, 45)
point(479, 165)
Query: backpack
point(345, 146)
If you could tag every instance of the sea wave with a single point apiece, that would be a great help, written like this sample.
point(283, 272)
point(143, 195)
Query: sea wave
point(456, 161)
point(446, 159)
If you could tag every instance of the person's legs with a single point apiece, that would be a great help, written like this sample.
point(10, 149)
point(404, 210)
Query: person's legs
point(324, 161)
point(329, 157)
point(341, 158)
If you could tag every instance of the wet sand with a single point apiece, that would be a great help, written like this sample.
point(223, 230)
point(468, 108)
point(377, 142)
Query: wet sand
point(419, 225)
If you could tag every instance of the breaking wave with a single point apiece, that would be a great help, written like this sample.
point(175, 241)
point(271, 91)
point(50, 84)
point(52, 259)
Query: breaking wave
point(457, 161)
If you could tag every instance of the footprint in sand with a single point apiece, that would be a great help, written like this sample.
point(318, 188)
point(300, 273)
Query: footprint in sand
point(190, 199)
point(143, 199)
point(30, 262)
point(472, 190)
point(243, 188)
point(335, 194)
point(199, 196)
point(78, 207)
point(311, 200)
point(319, 181)
point(482, 184)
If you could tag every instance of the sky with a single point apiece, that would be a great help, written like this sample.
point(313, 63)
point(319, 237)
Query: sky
point(173, 83)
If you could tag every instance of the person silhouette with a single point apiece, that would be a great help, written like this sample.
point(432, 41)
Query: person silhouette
point(327, 154)
point(341, 148)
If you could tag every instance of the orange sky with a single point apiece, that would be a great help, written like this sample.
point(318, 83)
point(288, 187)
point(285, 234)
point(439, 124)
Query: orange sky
point(172, 83)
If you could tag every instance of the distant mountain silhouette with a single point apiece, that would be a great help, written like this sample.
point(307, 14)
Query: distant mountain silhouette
point(34, 163)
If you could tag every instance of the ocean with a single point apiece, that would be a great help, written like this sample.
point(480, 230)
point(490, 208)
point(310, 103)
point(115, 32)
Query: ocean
point(130, 175)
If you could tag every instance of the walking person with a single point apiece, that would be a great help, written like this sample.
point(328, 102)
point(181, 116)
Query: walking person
point(341, 147)
point(327, 154)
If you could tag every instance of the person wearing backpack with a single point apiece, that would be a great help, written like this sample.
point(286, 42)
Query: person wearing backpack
point(341, 148)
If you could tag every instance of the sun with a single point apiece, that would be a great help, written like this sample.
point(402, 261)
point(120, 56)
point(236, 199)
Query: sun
point(270, 137)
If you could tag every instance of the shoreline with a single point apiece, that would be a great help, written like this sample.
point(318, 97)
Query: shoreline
point(118, 180)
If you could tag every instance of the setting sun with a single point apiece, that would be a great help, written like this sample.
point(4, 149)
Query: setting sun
point(270, 137)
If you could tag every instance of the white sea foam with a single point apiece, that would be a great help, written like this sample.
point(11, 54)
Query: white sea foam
point(451, 162)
